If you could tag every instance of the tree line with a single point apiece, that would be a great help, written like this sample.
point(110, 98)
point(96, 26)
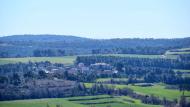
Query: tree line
point(25, 45)
point(48, 53)
point(132, 50)
point(139, 62)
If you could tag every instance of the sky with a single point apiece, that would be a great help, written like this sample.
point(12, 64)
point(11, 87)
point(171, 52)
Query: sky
point(96, 18)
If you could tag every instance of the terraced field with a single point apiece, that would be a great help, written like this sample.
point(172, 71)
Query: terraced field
point(157, 90)
point(83, 101)
point(106, 100)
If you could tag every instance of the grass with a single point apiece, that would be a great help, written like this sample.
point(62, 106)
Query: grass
point(105, 100)
point(184, 49)
point(70, 59)
point(52, 102)
point(82, 101)
point(178, 51)
point(158, 90)
point(64, 60)
point(182, 70)
point(142, 56)
point(109, 79)
point(185, 73)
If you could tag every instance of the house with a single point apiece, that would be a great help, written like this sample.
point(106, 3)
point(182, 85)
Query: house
point(85, 69)
point(73, 71)
point(101, 66)
point(106, 72)
point(80, 65)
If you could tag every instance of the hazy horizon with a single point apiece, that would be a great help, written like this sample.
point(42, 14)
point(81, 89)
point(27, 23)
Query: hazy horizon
point(96, 19)
point(97, 38)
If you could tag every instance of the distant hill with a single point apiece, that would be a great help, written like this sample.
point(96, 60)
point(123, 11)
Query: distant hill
point(24, 45)
point(42, 38)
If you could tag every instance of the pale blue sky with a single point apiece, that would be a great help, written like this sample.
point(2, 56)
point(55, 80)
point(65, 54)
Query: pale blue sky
point(96, 18)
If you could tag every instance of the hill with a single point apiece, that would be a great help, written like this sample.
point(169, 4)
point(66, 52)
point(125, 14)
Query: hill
point(61, 45)
point(42, 38)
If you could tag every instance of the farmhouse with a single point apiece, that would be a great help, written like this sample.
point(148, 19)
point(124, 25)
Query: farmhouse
point(101, 66)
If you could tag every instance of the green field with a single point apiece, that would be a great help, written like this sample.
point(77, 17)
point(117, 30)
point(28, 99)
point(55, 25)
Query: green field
point(142, 56)
point(64, 60)
point(114, 101)
point(83, 101)
point(70, 59)
point(182, 70)
point(184, 49)
point(178, 51)
point(185, 73)
point(109, 79)
point(52, 102)
point(157, 90)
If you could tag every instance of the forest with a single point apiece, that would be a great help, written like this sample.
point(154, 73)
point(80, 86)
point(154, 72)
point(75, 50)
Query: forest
point(61, 45)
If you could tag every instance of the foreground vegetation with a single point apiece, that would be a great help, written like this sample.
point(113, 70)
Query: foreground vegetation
point(83, 101)
point(40, 103)
point(112, 101)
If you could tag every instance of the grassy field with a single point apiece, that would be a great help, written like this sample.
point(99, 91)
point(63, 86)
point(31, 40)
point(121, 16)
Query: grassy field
point(182, 70)
point(99, 100)
point(142, 56)
point(105, 100)
point(40, 103)
point(83, 101)
point(178, 51)
point(157, 90)
point(185, 73)
point(109, 79)
point(64, 60)
point(160, 91)
point(184, 49)
point(70, 59)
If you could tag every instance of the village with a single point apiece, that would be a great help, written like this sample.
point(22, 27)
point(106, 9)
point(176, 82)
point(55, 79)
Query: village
point(97, 68)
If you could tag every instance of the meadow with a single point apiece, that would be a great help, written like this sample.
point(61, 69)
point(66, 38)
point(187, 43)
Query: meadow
point(65, 60)
point(178, 51)
point(182, 70)
point(68, 60)
point(49, 102)
point(109, 79)
point(158, 90)
point(82, 101)
point(106, 100)
point(142, 56)
point(185, 73)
